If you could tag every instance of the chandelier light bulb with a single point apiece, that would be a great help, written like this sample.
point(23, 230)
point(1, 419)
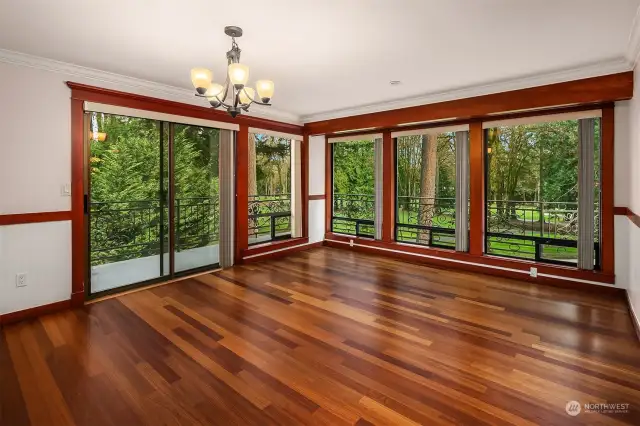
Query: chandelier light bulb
point(214, 90)
point(247, 95)
point(201, 79)
point(265, 90)
point(238, 74)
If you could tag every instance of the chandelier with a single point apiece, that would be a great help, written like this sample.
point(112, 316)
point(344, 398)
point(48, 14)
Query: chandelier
point(235, 95)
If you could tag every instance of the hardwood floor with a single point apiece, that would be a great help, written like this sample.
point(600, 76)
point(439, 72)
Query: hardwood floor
point(325, 336)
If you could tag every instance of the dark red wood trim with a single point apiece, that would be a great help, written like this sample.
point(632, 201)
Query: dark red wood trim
point(328, 185)
point(304, 158)
point(242, 192)
point(388, 187)
point(78, 237)
point(497, 116)
point(77, 299)
point(276, 254)
point(22, 218)
point(317, 197)
point(626, 211)
point(620, 211)
point(113, 97)
point(608, 88)
point(273, 245)
point(633, 217)
point(50, 308)
point(477, 157)
point(606, 184)
point(499, 262)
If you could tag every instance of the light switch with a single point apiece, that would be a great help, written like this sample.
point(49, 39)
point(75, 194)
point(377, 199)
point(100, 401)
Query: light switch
point(65, 190)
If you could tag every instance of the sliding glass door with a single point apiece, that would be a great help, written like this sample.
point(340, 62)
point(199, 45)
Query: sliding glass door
point(152, 200)
point(197, 201)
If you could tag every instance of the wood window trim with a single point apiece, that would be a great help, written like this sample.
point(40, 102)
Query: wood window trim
point(242, 248)
point(81, 93)
point(576, 93)
point(620, 88)
point(273, 245)
point(130, 100)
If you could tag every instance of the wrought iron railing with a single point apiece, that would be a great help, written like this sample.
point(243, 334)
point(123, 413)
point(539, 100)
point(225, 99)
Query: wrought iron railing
point(353, 214)
point(541, 231)
point(124, 230)
point(269, 218)
point(426, 221)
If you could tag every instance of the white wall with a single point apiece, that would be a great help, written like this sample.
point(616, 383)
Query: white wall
point(35, 163)
point(43, 251)
point(630, 240)
point(316, 187)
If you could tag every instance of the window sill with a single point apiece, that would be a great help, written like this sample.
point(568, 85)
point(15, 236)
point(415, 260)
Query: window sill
point(273, 245)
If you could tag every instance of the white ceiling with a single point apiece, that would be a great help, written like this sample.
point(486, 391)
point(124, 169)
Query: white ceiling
point(328, 55)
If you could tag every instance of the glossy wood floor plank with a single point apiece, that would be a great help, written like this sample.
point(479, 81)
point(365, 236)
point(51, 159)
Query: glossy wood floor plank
point(325, 337)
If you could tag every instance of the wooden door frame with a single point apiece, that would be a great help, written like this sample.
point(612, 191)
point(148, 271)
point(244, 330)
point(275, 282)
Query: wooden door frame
point(81, 93)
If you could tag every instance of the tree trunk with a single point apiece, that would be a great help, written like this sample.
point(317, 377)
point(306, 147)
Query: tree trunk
point(427, 186)
point(253, 185)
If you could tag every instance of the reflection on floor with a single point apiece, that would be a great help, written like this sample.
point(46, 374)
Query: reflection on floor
point(325, 336)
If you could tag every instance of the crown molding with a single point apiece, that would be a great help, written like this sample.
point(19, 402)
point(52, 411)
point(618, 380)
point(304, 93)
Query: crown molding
point(612, 66)
point(633, 45)
point(126, 83)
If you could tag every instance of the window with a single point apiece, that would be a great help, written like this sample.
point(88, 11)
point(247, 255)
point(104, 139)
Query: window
point(270, 188)
point(353, 187)
point(536, 168)
point(431, 181)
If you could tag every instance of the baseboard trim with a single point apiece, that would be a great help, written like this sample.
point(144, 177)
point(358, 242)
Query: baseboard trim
point(280, 252)
point(444, 263)
point(634, 317)
point(37, 311)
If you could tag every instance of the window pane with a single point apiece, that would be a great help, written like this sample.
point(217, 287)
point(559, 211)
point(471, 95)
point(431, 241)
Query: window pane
point(197, 196)
point(426, 190)
point(127, 222)
point(353, 188)
point(269, 188)
point(532, 191)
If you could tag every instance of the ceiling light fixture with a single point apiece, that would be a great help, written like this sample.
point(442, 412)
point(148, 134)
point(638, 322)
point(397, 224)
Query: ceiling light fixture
point(395, 82)
point(234, 95)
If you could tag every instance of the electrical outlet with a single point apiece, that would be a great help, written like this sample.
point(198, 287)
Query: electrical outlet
point(533, 272)
point(21, 279)
point(351, 243)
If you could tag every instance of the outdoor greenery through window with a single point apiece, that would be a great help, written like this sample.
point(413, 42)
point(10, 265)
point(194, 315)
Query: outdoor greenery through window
point(353, 188)
point(128, 198)
point(197, 196)
point(269, 188)
point(426, 189)
point(532, 191)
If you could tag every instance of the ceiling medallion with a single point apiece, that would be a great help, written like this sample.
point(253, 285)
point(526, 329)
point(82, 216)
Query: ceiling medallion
point(234, 95)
